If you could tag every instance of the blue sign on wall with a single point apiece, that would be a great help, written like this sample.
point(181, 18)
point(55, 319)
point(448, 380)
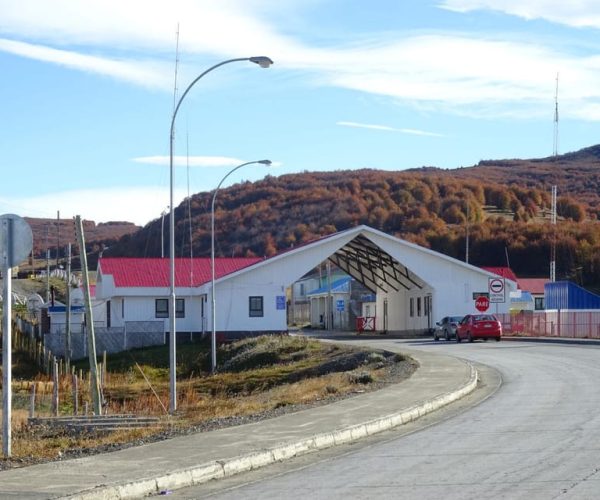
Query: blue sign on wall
point(339, 304)
point(280, 302)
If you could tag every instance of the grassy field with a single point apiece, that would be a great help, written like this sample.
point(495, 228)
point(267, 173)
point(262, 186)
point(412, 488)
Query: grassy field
point(256, 378)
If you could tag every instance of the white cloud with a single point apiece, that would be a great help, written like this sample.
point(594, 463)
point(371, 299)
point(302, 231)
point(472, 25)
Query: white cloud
point(579, 14)
point(150, 74)
point(386, 128)
point(197, 161)
point(192, 161)
point(480, 76)
point(100, 205)
point(218, 27)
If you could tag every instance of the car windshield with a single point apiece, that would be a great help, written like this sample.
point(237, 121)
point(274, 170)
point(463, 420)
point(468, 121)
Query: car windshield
point(455, 319)
point(483, 317)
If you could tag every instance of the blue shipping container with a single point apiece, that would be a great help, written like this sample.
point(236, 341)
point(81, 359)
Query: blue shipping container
point(567, 295)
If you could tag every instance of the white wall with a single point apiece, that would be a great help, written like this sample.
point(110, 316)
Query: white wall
point(451, 281)
point(144, 309)
point(398, 307)
point(268, 279)
point(233, 306)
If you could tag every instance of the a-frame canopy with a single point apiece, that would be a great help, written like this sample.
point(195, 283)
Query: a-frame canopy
point(373, 267)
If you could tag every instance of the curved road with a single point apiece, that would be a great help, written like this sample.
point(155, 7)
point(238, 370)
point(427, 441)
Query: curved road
point(536, 436)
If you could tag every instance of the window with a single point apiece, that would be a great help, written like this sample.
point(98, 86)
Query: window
point(302, 291)
point(180, 308)
point(412, 307)
point(161, 308)
point(256, 307)
point(419, 306)
point(123, 308)
point(539, 303)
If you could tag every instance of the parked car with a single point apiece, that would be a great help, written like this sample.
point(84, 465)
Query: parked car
point(446, 328)
point(479, 326)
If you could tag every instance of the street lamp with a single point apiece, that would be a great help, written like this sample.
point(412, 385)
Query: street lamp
point(263, 62)
point(213, 339)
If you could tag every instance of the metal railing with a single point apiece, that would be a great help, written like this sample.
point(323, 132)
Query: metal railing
point(569, 324)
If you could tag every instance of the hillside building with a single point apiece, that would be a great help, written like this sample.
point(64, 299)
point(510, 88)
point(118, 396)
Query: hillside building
point(413, 286)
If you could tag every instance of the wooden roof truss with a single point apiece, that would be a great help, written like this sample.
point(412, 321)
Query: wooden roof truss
point(374, 268)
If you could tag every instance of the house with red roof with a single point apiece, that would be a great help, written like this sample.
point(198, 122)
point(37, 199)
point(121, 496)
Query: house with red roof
point(413, 286)
point(138, 289)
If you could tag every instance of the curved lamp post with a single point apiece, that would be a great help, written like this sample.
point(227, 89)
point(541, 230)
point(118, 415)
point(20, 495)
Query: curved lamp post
point(213, 338)
point(263, 62)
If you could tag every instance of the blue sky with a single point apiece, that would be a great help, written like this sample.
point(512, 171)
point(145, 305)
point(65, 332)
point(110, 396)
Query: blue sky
point(87, 92)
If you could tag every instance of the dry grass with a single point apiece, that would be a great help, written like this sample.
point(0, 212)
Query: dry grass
point(257, 377)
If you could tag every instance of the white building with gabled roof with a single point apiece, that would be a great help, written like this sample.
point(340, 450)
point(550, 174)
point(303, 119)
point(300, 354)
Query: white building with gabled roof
point(414, 286)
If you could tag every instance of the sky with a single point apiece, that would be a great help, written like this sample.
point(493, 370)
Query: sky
point(88, 90)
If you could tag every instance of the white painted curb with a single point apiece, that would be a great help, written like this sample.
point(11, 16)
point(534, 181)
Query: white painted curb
point(223, 468)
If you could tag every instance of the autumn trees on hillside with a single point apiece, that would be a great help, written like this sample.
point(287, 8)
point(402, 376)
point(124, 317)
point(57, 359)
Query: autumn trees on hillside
point(431, 208)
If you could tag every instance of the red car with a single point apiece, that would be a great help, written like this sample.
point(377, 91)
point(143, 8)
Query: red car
point(479, 326)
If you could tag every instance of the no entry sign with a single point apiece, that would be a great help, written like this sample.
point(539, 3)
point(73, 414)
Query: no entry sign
point(496, 288)
point(482, 304)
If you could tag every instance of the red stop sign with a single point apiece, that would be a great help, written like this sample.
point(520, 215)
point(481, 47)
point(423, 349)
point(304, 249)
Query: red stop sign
point(482, 304)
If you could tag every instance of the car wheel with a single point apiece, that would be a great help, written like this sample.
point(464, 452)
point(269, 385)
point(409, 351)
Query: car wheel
point(470, 337)
point(435, 337)
point(458, 339)
point(497, 339)
point(447, 336)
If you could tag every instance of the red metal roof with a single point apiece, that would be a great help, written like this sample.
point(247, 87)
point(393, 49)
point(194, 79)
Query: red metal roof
point(533, 285)
point(154, 272)
point(505, 272)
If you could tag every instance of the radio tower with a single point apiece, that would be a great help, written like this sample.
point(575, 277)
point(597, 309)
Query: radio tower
point(553, 215)
point(555, 148)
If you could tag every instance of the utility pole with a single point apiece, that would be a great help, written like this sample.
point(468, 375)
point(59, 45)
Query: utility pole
point(329, 308)
point(91, 339)
point(467, 235)
point(57, 236)
point(68, 310)
point(47, 266)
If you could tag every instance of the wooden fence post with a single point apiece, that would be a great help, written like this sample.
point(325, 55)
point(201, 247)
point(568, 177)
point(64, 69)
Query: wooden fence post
point(55, 389)
point(32, 401)
point(75, 392)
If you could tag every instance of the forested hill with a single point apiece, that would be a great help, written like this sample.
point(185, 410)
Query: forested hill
point(506, 203)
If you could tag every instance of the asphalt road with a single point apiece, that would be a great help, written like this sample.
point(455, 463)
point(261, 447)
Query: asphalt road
point(535, 435)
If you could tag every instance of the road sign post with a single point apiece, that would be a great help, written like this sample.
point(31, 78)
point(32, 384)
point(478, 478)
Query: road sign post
point(16, 241)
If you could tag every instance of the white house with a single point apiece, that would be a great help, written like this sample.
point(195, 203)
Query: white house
point(414, 286)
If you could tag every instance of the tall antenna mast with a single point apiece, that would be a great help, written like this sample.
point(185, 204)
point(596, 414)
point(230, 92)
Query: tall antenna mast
point(553, 251)
point(553, 214)
point(555, 147)
point(189, 203)
point(177, 66)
